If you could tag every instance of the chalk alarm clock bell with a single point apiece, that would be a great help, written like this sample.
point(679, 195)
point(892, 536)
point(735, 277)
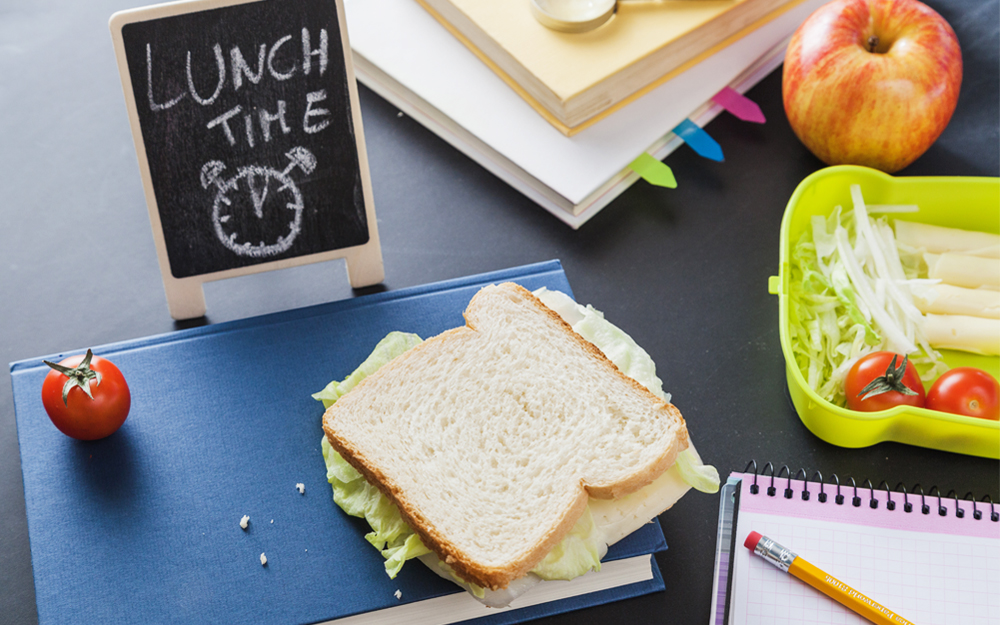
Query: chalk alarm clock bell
point(246, 203)
point(247, 128)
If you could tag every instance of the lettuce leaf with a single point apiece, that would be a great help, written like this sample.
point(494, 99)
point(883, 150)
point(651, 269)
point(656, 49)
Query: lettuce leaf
point(577, 553)
point(390, 534)
point(701, 477)
point(394, 344)
point(351, 491)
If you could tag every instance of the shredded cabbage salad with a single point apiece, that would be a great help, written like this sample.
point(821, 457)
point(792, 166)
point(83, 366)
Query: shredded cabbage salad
point(851, 293)
point(580, 550)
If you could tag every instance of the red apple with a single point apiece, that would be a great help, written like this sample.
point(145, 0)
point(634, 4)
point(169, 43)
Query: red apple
point(871, 82)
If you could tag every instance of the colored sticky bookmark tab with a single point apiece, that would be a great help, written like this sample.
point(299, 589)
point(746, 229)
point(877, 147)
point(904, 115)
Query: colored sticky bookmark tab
point(654, 171)
point(699, 140)
point(739, 105)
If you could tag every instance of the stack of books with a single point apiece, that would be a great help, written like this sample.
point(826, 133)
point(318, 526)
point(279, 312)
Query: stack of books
point(403, 53)
point(574, 79)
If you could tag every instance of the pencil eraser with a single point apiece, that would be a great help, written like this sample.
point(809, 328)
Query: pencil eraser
point(752, 539)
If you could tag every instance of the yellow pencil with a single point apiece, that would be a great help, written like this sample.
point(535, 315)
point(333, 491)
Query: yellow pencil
point(823, 582)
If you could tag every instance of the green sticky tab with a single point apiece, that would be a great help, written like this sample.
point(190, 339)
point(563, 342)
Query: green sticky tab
point(653, 171)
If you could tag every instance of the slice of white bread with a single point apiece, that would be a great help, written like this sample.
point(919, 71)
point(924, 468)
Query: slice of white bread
point(490, 437)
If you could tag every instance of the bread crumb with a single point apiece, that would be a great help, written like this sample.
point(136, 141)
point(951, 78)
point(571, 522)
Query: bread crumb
point(301, 488)
point(399, 594)
point(263, 559)
point(245, 521)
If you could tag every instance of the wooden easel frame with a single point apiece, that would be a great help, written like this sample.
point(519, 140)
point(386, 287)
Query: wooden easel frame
point(185, 296)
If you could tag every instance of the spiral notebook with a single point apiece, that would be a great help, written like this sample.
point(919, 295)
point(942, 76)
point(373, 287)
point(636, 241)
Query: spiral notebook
point(932, 557)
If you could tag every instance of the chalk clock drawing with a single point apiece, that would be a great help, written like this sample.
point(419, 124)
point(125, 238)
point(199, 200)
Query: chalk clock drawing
point(258, 212)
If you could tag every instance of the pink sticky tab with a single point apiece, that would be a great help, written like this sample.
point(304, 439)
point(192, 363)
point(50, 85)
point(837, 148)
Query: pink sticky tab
point(739, 105)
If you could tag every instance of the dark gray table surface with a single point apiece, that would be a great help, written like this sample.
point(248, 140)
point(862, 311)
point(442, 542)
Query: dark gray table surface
point(684, 271)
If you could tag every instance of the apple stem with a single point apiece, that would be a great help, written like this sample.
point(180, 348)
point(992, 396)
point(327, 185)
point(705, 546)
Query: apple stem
point(872, 43)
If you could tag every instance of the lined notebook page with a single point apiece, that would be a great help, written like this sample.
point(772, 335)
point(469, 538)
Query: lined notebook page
point(931, 569)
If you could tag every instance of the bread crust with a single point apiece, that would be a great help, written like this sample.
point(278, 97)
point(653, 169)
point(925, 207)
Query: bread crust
point(487, 576)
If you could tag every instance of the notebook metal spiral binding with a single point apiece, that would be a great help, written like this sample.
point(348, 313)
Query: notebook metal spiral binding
point(784, 473)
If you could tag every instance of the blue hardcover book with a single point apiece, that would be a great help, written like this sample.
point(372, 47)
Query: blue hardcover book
point(144, 526)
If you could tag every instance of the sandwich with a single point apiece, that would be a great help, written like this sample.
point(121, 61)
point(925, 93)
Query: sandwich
point(508, 451)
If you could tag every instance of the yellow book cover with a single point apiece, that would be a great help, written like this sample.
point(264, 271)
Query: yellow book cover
point(576, 77)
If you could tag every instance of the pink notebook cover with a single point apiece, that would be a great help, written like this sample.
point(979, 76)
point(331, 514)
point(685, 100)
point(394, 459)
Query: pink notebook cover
point(931, 568)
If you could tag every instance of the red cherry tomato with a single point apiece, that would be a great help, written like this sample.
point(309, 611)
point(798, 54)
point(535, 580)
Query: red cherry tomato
point(966, 391)
point(86, 397)
point(883, 380)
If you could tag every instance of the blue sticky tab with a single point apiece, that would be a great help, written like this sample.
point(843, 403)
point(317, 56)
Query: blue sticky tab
point(699, 140)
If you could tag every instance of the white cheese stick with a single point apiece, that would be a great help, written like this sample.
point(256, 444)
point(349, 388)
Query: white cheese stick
point(968, 334)
point(938, 239)
point(962, 270)
point(946, 299)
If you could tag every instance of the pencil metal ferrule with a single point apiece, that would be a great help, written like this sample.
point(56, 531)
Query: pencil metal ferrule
point(774, 553)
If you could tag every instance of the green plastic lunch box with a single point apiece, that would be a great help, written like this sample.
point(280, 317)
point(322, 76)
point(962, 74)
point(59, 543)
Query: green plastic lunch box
point(958, 202)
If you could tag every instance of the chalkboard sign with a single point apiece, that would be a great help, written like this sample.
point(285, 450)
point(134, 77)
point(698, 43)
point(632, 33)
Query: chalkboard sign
point(247, 127)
